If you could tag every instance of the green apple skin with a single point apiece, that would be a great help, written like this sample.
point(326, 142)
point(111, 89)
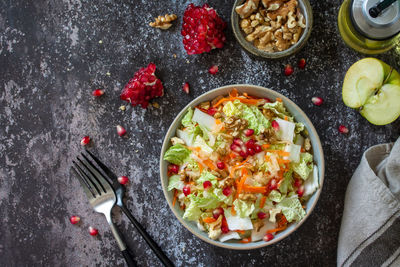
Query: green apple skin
point(363, 88)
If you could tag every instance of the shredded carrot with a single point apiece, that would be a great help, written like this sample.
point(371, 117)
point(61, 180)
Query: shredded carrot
point(191, 182)
point(266, 146)
point(286, 118)
point(201, 168)
point(218, 121)
point(267, 158)
point(262, 201)
point(278, 99)
point(233, 211)
point(241, 99)
point(175, 197)
point(233, 93)
point(195, 148)
point(254, 189)
point(283, 161)
point(209, 220)
point(232, 155)
point(282, 221)
point(276, 230)
point(246, 95)
point(240, 231)
point(246, 240)
point(209, 164)
point(241, 183)
point(302, 150)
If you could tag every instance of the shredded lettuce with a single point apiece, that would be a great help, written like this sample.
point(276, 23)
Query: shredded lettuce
point(244, 208)
point(199, 142)
point(230, 109)
point(292, 209)
point(256, 120)
point(192, 211)
point(205, 200)
point(299, 127)
point(187, 119)
point(274, 195)
point(175, 183)
point(222, 198)
point(287, 182)
point(279, 109)
point(191, 163)
point(207, 176)
point(176, 154)
point(304, 167)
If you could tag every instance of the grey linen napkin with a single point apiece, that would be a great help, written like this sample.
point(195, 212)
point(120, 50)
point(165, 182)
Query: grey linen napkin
point(370, 230)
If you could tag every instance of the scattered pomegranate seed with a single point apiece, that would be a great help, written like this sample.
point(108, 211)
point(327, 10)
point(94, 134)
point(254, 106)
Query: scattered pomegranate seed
point(202, 29)
point(275, 125)
point(302, 63)
point(273, 185)
point(238, 141)
point(211, 111)
point(227, 191)
point(74, 219)
point(268, 237)
point(250, 144)
point(288, 70)
point(186, 88)
point(213, 70)
point(93, 231)
point(257, 148)
point(121, 130)
point(173, 168)
point(251, 151)
point(224, 229)
point(300, 191)
point(261, 215)
point(343, 129)
point(221, 165)
point(123, 180)
point(235, 148)
point(85, 140)
point(248, 132)
point(243, 153)
point(297, 183)
point(186, 190)
point(98, 92)
point(217, 212)
point(317, 100)
point(143, 87)
point(207, 185)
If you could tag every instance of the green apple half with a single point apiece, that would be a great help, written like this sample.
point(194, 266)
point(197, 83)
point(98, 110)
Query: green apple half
point(373, 87)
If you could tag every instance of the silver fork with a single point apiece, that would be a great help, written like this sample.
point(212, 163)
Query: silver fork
point(101, 196)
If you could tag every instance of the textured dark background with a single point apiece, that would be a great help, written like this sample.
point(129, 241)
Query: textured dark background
point(51, 60)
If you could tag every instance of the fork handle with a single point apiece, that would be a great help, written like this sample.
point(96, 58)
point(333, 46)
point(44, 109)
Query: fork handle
point(153, 245)
point(128, 258)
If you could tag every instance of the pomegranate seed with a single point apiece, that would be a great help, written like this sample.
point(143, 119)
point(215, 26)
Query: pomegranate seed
point(121, 130)
point(123, 180)
point(224, 229)
point(268, 237)
point(186, 88)
point(243, 153)
point(238, 141)
point(297, 183)
point(275, 125)
point(235, 148)
point(251, 151)
point(93, 231)
point(221, 165)
point(173, 168)
point(257, 148)
point(288, 70)
point(343, 129)
point(227, 191)
point(302, 63)
point(317, 100)
point(85, 140)
point(74, 219)
point(250, 144)
point(261, 215)
point(186, 190)
point(273, 185)
point(207, 184)
point(248, 132)
point(213, 70)
point(211, 111)
point(300, 191)
point(98, 92)
point(267, 100)
point(217, 212)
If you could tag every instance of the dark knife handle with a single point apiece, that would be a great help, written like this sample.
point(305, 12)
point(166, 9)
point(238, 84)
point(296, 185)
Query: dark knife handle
point(153, 245)
point(128, 258)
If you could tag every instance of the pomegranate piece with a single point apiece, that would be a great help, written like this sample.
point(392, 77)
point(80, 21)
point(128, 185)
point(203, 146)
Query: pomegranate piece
point(98, 92)
point(248, 132)
point(250, 144)
point(297, 183)
point(202, 29)
point(143, 87)
point(186, 190)
point(224, 229)
point(217, 212)
point(186, 88)
point(207, 185)
point(300, 191)
point(173, 168)
point(251, 151)
point(257, 148)
point(227, 191)
point(235, 148)
point(211, 111)
point(268, 237)
point(243, 153)
point(275, 125)
point(343, 129)
point(121, 130)
point(288, 70)
point(267, 100)
point(238, 141)
point(213, 70)
point(302, 63)
point(220, 165)
point(85, 140)
point(93, 231)
point(261, 215)
point(317, 100)
point(74, 219)
point(123, 180)
point(273, 185)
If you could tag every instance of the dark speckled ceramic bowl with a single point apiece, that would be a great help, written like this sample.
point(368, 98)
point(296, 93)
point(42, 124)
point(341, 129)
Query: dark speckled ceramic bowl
point(261, 92)
point(306, 10)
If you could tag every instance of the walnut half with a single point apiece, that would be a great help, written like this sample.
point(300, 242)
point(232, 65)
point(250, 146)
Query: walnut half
point(163, 22)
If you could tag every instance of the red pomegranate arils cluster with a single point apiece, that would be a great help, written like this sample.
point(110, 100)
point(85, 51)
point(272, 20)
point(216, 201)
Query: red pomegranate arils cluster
point(202, 29)
point(143, 87)
point(250, 148)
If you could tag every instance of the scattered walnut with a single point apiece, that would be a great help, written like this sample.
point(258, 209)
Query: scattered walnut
point(247, 8)
point(205, 105)
point(218, 98)
point(163, 22)
point(250, 197)
point(258, 225)
point(307, 144)
point(226, 182)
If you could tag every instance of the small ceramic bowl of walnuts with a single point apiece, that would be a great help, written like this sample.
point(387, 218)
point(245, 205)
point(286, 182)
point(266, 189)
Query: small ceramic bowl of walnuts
point(272, 28)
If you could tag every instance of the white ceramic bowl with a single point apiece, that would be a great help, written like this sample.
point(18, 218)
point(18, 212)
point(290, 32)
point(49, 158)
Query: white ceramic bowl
point(299, 116)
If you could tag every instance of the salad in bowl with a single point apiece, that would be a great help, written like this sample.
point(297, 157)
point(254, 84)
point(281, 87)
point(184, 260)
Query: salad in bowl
point(241, 168)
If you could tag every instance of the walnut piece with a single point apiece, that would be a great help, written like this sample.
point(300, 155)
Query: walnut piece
point(163, 22)
point(247, 8)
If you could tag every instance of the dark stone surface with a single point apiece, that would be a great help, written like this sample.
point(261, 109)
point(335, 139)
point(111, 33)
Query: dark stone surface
point(51, 60)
